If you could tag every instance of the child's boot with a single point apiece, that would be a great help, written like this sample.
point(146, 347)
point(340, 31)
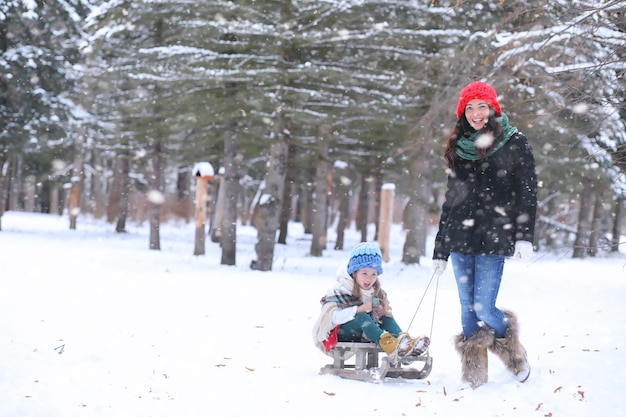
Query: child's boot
point(411, 346)
point(388, 343)
point(419, 345)
point(405, 344)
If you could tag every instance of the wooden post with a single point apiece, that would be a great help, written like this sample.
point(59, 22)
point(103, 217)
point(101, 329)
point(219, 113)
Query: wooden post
point(203, 172)
point(386, 218)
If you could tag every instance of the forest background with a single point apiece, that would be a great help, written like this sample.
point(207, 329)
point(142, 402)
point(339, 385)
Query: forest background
point(306, 110)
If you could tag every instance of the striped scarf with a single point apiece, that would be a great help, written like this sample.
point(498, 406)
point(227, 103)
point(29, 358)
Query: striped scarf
point(342, 300)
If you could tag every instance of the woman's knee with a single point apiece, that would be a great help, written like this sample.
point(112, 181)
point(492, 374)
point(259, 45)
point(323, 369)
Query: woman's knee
point(493, 318)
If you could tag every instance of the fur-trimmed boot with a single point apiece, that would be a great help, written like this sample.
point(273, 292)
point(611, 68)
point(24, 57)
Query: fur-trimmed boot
point(474, 357)
point(510, 350)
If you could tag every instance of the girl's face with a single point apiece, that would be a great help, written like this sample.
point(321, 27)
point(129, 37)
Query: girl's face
point(366, 278)
point(477, 113)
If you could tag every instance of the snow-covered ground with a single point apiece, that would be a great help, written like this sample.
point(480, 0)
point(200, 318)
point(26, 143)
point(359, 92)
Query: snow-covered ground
point(93, 323)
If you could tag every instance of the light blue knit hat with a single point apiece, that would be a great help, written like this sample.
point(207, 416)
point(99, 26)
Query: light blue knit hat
point(366, 255)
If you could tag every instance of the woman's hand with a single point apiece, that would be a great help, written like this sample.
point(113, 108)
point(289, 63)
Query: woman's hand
point(523, 250)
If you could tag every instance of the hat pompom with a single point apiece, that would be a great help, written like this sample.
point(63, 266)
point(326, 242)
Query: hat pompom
point(478, 90)
point(366, 255)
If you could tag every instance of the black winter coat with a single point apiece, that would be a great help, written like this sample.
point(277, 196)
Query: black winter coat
point(489, 204)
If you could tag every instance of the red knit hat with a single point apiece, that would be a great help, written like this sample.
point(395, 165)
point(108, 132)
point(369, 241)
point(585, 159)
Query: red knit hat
point(478, 90)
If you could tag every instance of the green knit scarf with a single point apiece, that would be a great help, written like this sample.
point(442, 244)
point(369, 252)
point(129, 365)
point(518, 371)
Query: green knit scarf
point(466, 146)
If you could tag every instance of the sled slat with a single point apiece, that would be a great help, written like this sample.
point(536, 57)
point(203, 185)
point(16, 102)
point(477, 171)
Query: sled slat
point(366, 363)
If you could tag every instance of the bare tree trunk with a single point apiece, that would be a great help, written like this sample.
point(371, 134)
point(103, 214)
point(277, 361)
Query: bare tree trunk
point(230, 193)
point(416, 212)
point(363, 207)
point(270, 204)
point(14, 186)
point(230, 184)
point(309, 201)
point(183, 207)
point(54, 199)
point(318, 229)
point(549, 237)
point(378, 184)
point(215, 229)
point(77, 174)
point(247, 197)
point(285, 211)
point(115, 194)
point(584, 219)
point(118, 197)
point(124, 185)
point(596, 220)
point(30, 191)
point(617, 223)
point(97, 188)
point(304, 207)
point(156, 197)
point(344, 209)
point(4, 185)
point(211, 200)
point(285, 214)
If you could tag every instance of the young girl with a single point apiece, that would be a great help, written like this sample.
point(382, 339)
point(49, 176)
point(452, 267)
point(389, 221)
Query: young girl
point(357, 309)
point(488, 215)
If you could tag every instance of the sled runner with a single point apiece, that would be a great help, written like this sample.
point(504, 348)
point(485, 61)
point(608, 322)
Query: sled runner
point(366, 364)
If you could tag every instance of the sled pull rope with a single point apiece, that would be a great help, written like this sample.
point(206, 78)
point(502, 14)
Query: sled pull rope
point(432, 321)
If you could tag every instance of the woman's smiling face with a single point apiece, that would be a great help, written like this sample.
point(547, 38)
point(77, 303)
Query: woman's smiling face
point(366, 278)
point(477, 113)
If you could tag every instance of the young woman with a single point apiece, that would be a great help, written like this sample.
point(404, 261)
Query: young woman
point(488, 215)
point(357, 309)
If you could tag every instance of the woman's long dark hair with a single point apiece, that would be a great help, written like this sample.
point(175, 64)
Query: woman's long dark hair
point(463, 128)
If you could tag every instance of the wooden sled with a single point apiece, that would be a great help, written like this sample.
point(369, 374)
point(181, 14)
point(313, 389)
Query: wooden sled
point(366, 365)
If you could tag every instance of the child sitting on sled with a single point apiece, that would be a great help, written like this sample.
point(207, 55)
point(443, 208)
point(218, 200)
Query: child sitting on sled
point(357, 309)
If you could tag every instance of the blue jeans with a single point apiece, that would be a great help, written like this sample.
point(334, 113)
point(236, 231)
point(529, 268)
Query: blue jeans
point(478, 280)
point(363, 325)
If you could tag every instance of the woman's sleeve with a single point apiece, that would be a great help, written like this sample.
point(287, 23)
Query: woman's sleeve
point(525, 192)
point(343, 315)
point(441, 251)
